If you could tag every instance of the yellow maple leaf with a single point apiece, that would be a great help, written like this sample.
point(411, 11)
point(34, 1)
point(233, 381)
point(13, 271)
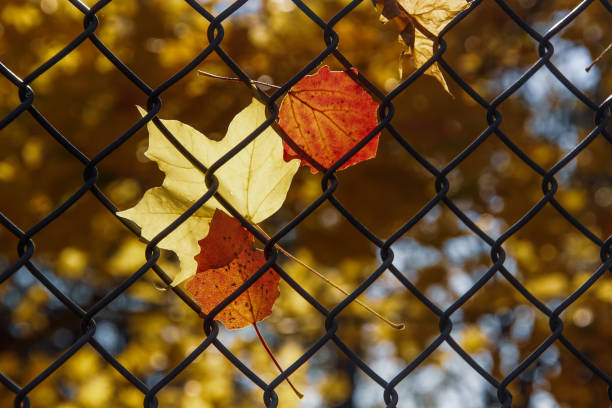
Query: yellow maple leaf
point(254, 181)
point(420, 22)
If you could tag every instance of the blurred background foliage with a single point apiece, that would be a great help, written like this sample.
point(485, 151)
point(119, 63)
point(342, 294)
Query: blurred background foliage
point(87, 252)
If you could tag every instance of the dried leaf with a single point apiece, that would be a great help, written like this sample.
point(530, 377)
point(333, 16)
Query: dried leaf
point(255, 181)
point(229, 241)
point(326, 114)
point(420, 22)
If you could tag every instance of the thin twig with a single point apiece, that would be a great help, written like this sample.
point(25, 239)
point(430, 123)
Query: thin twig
point(596, 60)
point(224, 78)
point(263, 342)
point(397, 326)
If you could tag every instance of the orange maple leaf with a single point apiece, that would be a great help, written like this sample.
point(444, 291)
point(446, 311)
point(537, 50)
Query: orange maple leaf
point(327, 114)
point(212, 286)
point(227, 259)
point(225, 240)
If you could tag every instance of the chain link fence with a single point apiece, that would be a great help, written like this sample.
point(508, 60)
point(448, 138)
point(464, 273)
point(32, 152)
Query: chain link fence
point(215, 34)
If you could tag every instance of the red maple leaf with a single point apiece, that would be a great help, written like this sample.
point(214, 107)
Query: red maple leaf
point(228, 259)
point(225, 240)
point(327, 114)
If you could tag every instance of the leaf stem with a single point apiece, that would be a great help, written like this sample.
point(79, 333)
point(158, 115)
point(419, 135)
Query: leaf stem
point(263, 342)
point(397, 326)
point(596, 60)
point(224, 78)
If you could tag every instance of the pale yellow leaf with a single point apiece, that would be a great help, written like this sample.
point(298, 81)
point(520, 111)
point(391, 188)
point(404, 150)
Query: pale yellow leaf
point(433, 16)
point(255, 181)
point(157, 209)
point(182, 178)
point(423, 51)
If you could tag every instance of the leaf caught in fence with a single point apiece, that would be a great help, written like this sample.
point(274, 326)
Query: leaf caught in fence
point(227, 259)
point(327, 114)
point(225, 240)
point(420, 22)
point(254, 181)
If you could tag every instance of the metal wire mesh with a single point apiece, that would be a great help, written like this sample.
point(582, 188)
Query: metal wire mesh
point(215, 35)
